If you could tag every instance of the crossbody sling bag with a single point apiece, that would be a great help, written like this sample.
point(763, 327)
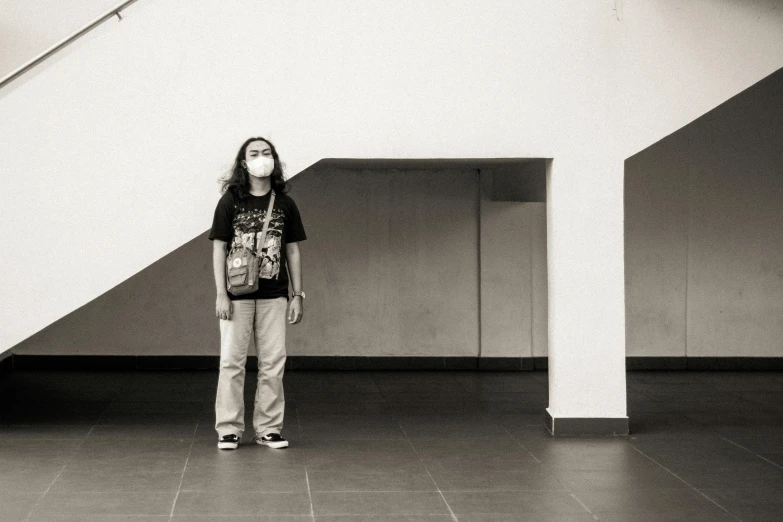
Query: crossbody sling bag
point(242, 263)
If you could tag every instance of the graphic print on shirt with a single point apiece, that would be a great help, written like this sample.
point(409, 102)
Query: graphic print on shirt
point(248, 224)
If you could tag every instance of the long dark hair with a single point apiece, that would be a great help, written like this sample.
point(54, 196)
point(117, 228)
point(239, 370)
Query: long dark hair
point(237, 181)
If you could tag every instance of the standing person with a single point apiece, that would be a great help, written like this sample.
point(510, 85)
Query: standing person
point(238, 221)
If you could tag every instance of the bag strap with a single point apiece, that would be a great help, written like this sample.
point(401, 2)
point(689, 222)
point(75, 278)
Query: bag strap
point(266, 221)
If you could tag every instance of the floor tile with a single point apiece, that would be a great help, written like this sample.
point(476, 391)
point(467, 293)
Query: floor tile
point(16, 505)
point(106, 448)
point(98, 518)
point(152, 478)
point(384, 518)
point(140, 465)
point(44, 431)
point(710, 515)
point(143, 431)
point(417, 479)
point(383, 442)
point(52, 413)
point(775, 458)
point(731, 477)
point(105, 503)
point(349, 427)
point(378, 503)
point(451, 427)
point(244, 478)
point(505, 447)
point(242, 518)
point(527, 517)
point(748, 497)
point(622, 479)
point(680, 500)
point(25, 476)
point(578, 454)
point(510, 502)
point(533, 478)
point(372, 408)
point(241, 503)
point(499, 382)
point(39, 447)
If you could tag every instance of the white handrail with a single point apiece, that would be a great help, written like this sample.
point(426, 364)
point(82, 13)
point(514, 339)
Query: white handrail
point(62, 43)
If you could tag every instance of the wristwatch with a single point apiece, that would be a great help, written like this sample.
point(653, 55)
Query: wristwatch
point(299, 293)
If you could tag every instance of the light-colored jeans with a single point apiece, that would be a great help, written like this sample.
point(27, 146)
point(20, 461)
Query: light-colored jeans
point(265, 319)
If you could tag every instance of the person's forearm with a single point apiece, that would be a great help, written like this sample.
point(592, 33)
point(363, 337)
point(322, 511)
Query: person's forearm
point(295, 271)
point(219, 266)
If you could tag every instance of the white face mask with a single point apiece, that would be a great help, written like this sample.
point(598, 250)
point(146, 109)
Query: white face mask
point(261, 166)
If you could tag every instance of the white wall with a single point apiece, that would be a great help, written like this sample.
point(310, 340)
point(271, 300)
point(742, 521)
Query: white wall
point(111, 149)
point(681, 59)
point(29, 27)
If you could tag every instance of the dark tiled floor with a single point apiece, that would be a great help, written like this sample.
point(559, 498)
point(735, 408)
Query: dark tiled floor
point(388, 446)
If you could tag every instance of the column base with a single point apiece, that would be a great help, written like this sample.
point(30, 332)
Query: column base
point(586, 426)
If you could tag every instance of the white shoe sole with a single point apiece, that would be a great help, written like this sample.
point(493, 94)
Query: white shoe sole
point(228, 445)
point(276, 445)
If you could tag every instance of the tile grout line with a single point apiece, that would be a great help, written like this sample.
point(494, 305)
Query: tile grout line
point(453, 516)
point(309, 494)
point(430, 491)
point(182, 478)
point(570, 492)
point(752, 453)
point(58, 474)
point(573, 495)
point(683, 481)
point(521, 445)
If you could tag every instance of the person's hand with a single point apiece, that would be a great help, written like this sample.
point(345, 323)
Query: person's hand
point(295, 310)
point(223, 306)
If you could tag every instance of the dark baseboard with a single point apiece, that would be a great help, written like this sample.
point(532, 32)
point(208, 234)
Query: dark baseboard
point(588, 426)
point(340, 362)
point(656, 363)
point(705, 363)
point(735, 363)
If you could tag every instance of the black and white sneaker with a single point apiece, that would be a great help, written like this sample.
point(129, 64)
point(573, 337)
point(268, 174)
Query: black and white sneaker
point(228, 442)
point(273, 440)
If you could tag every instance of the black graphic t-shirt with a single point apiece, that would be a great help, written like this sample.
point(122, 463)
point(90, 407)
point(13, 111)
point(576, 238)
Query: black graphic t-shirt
point(241, 223)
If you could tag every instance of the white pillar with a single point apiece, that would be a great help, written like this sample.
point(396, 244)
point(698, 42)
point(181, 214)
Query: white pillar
point(585, 260)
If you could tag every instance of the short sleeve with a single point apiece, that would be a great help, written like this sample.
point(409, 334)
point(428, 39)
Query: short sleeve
point(222, 222)
point(294, 230)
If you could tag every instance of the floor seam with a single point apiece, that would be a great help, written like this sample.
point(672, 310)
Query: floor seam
point(58, 474)
point(570, 492)
point(453, 516)
point(309, 494)
point(753, 453)
point(683, 481)
point(184, 469)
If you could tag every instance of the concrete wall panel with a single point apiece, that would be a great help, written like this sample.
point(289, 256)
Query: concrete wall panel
point(536, 214)
point(506, 292)
point(735, 260)
point(390, 264)
point(656, 213)
point(705, 204)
